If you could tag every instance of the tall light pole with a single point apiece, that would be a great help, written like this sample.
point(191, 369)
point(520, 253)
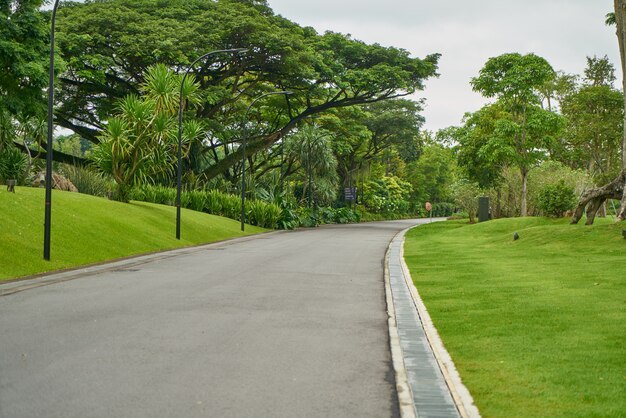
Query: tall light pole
point(48, 208)
point(243, 155)
point(179, 175)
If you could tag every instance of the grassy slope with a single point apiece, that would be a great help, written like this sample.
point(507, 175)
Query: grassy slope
point(536, 327)
point(87, 229)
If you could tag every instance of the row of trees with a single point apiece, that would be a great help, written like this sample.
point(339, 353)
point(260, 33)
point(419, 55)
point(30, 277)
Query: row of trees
point(119, 70)
point(348, 121)
point(540, 115)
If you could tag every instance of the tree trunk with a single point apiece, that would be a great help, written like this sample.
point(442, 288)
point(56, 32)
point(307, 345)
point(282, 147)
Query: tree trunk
point(499, 203)
point(620, 20)
point(524, 211)
point(613, 190)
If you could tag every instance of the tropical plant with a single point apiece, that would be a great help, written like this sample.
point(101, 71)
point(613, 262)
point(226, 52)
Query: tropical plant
point(312, 148)
point(88, 181)
point(141, 141)
point(13, 164)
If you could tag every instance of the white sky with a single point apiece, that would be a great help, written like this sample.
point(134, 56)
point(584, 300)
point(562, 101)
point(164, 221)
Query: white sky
point(467, 33)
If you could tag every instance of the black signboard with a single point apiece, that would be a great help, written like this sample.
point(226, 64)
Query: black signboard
point(349, 193)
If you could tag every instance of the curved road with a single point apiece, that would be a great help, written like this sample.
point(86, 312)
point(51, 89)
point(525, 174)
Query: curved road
point(289, 324)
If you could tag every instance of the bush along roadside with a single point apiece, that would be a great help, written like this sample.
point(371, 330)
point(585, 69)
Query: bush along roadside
point(258, 212)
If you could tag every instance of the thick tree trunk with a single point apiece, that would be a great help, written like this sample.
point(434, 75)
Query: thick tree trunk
point(620, 20)
point(595, 197)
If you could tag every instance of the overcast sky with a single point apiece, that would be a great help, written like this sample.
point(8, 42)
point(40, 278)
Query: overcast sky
point(467, 33)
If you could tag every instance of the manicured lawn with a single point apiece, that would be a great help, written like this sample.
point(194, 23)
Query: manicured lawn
point(536, 327)
point(87, 229)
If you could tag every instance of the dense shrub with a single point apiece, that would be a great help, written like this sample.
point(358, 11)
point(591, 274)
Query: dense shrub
point(388, 195)
point(88, 181)
point(443, 209)
point(13, 164)
point(283, 215)
point(466, 195)
point(263, 214)
point(556, 199)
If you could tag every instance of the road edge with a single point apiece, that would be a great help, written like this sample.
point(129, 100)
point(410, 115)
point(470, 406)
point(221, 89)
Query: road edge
point(460, 394)
point(21, 284)
point(403, 389)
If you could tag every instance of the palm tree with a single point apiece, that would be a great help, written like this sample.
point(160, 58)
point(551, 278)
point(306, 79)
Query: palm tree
point(312, 148)
point(140, 142)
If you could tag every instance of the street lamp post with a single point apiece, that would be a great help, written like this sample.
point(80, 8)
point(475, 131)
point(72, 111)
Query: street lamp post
point(48, 206)
point(179, 174)
point(243, 155)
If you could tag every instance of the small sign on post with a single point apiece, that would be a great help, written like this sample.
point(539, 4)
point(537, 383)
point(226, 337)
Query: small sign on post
point(350, 193)
point(429, 209)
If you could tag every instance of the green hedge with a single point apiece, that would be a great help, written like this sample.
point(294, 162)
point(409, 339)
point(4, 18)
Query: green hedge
point(263, 214)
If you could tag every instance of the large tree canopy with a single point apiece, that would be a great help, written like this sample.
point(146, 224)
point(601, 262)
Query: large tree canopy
point(109, 44)
point(23, 57)
point(516, 81)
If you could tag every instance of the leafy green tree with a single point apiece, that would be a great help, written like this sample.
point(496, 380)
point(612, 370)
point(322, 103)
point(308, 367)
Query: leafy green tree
point(432, 175)
point(524, 136)
point(466, 194)
point(595, 114)
point(24, 53)
point(387, 132)
point(109, 44)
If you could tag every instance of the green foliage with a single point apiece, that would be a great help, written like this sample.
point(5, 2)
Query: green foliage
point(88, 181)
point(196, 200)
point(388, 195)
point(325, 71)
point(466, 194)
point(328, 215)
point(141, 142)
point(595, 114)
point(432, 175)
point(552, 173)
point(161, 195)
point(13, 164)
point(523, 132)
point(443, 209)
point(258, 212)
point(266, 215)
point(514, 79)
point(555, 199)
point(214, 202)
point(24, 47)
point(312, 149)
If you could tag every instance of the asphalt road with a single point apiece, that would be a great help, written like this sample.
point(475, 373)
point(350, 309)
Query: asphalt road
point(289, 324)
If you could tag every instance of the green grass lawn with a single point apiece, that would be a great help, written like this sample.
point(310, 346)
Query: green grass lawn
point(537, 326)
point(88, 229)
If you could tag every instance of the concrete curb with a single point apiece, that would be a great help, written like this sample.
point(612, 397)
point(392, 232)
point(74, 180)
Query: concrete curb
point(460, 394)
point(403, 389)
